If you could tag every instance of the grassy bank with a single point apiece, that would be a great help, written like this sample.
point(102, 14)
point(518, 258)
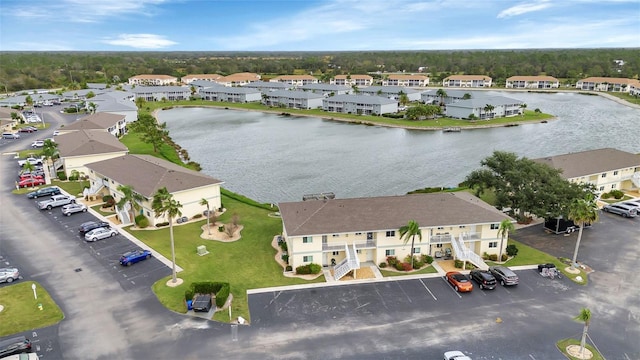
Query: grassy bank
point(22, 311)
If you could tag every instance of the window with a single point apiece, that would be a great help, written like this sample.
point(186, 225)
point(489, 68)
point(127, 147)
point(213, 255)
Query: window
point(615, 172)
point(307, 239)
point(440, 228)
point(601, 188)
point(495, 226)
point(439, 246)
point(462, 226)
point(335, 253)
point(604, 175)
point(613, 186)
point(493, 244)
point(389, 252)
point(358, 233)
point(335, 235)
point(391, 233)
point(359, 251)
point(416, 250)
point(308, 258)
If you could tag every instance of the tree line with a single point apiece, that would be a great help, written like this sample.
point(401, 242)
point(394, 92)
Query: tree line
point(72, 70)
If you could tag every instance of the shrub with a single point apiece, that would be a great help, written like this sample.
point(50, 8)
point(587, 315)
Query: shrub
point(283, 246)
point(197, 216)
point(308, 269)
point(485, 256)
point(617, 194)
point(493, 257)
point(504, 257)
point(512, 250)
point(142, 221)
point(61, 175)
point(418, 263)
point(392, 260)
point(221, 228)
point(189, 294)
point(427, 259)
point(406, 266)
point(166, 223)
point(285, 258)
point(458, 263)
point(288, 268)
point(382, 265)
point(398, 266)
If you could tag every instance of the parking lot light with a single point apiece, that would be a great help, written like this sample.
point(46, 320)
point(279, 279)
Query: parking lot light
point(33, 287)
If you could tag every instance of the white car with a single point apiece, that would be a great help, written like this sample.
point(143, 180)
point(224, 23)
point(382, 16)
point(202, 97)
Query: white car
point(455, 355)
point(37, 144)
point(9, 274)
point(70, 209)
point(99, 234)
point(56, 133)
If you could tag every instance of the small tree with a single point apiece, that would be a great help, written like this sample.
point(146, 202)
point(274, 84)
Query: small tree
point(204, 202)
point(584, 317)
point(411, 230)
point(506, 227)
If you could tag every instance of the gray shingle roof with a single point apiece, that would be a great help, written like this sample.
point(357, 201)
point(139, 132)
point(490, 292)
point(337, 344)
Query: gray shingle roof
point(325, 87)
point(159, 89)
point(97, 121)
point(295, 94)
point(362, 99)
point(385, 213)
point(388, 90)
point(591, 162)
point(481, 102)
point(88, 142)
point(147, 174)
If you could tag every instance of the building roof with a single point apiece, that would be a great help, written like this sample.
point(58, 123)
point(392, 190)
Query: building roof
point(325, 87)
point(201, 77)
point(153, 77)
point(389, 90)
point(355, 76)
point(88, 142)
point(267, 85)
point(147, 174)
point(362, 99)
point(293, 77)
point(295, 94)
point(482, 101)
point(407, 77)
point(230, 90)
point(239, 77)
point(97, 121)
point(160, 89)
point(610, 80)
point(467, 77)
point(591, 162)
point(338, 216)
point(533, 78)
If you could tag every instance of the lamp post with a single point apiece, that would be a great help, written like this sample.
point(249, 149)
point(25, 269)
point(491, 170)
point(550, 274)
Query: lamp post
point(33, 287)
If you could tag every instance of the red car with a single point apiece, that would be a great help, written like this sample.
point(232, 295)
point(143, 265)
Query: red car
point(459, 281)
point(30, 182)
point(28, 129)
point(29, 176)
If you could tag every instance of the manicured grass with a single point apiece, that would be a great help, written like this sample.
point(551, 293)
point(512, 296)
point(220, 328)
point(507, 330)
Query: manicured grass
point(72, 187)
point(562, 346)
point(614, 200)
point(99, 210)
point(21, 312)
point(135, 146)
point(426, 270)
point(245, 264)
point(627, 97)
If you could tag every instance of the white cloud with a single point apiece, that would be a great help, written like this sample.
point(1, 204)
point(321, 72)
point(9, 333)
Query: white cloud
point(84, 11)
point(141, 41)
point(524, 8)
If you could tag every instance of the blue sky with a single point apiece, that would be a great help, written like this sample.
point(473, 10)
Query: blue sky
point(309, 25)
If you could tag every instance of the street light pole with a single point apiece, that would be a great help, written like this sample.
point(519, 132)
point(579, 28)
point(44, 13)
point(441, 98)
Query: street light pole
point(33, 287)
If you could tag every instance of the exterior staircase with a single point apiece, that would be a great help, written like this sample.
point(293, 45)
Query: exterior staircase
point(463, 253)
point(123, 215)
point(635, 179)
point(351, 262)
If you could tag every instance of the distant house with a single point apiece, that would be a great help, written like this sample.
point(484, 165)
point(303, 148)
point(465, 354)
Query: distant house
point(97, 86)
point(295, 80)
point(188, 79)
point(115, 124)
point(78, 148)
point(21, 100)
point(230, 94)
point(352, 80)
point(532, 82)
point(607, 169)
point(391, 92)
point(360, 104)
point(406, 80)
point(347, 232)
point(147, 174)
point(81, 94)
point(606, 84)
point(161, 93)
point(634, 89)
point(153, 80)
point(502, 107)
point(238, 79)
point(266, 86)
point(6, 121)
point(431, 96)
point(326, 89)
point(293, 99)
point(473, 81)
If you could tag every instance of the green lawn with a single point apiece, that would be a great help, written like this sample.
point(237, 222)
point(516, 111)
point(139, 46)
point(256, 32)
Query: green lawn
point(562, 345)
point(246, 264)
point(21, 311)
point(426, 270)
point(135, 146)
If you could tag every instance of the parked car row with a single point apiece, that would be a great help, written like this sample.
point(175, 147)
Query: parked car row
point(486, 279)
point(628, 209)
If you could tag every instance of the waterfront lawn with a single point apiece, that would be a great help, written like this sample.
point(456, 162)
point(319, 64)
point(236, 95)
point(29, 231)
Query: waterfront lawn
point(624, 96)
point(132, 141)
point(245, 264)
point(21, 312)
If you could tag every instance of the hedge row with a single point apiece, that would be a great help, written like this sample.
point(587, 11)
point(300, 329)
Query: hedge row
point(220, 289)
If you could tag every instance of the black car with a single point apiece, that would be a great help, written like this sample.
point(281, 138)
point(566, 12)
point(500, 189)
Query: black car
point(90, 225)
point(15, 345)
point(48, 191)
point(484, 279)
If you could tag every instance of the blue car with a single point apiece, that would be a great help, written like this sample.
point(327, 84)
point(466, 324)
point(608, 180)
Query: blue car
point(133, 257)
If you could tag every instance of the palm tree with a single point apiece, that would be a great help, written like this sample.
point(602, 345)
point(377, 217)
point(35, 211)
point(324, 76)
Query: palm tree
point(49, 151)
point(584, 317)
point(129, 196)
point(581, 212)
point(411, 230)
point(204, 202)
point(488, 109)
point(466, 96)
point(92, 107)
point(523, 106)
point(442, 94)
point(506, 227)
point(165, 205)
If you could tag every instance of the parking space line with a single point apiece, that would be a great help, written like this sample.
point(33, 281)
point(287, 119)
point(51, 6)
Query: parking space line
point(430, 293)
point(404, 292)
point(451, 287)
point(381, 298)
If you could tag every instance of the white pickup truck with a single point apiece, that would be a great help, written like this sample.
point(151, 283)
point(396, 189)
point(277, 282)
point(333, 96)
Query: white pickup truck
point(31, 160)
point(55, 201)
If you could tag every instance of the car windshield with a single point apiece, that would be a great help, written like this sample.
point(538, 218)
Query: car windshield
point(460, 278)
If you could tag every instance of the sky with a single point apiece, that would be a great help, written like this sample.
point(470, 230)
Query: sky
point(310, 25)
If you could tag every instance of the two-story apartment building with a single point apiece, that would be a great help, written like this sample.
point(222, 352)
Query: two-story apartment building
point(485, 107)
point(147, 174)
point(391, 92)
point(115, 124)
point(335, 231)
point(293, 99)
point(153, 80)
point(81, 147)
point(477, 81)
point(607, 169)
point(360, 104)
point(295, 80)
point(160, 93)
point(606, 84)
point(532, 82)
point(267, 86)
point(326, 89)
point(432, 96)
point(234, 94)
point(238, 79)
point(188, 79)
point(352, 80)
point(406, 80)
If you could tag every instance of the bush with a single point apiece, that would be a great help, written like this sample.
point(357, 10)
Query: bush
point(505, 257)
point(189, 294)
point(197, 216)
point(485, 256)
point(285, 258)
point(308, 269)
point(417, 263)
point(221, 228)
point(142, 221)
point(166, 223)
point(406, 266)
point(605, 196)
point(512, 250)
point(458, 263)
point(61, 175)
point(493, 257)
point(288, 268)
point(283, 246)
point(617, 194)
point(398, 266)
point(392, 260)
point(427, 259)
point(382, 265)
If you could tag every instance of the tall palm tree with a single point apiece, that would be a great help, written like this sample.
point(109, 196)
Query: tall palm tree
point(442, 94)
point(50, 152)
point(488, 109)
point(506, 227)
point(581, 212)
point(523, 106)
point(129, 196)
point(204, 202)
point(584, 317)
point(411, 230)
point(164, 204)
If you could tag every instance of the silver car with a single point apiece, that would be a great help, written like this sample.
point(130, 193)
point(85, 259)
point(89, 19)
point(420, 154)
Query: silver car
point(100, 233)
point(621, 209)
point(70, 209)
point(9, 274)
